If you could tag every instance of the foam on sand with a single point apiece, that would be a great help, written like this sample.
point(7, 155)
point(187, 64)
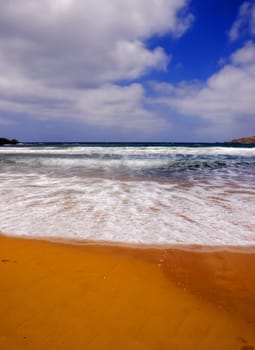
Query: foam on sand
point(49, 205)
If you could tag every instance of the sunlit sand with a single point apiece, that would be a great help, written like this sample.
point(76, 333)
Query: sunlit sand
point(61, 296)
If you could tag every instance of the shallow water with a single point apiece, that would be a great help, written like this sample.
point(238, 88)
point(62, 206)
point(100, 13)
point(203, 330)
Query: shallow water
point(187, 194)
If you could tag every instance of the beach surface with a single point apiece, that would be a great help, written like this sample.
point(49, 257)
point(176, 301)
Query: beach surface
point(67, 296)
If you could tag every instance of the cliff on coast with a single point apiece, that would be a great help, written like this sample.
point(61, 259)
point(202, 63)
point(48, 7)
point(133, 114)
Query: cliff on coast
point(4, 141)
point(250, 139)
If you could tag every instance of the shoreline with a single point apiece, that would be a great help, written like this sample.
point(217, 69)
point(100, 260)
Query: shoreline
point(98, 296)
point(246, 248)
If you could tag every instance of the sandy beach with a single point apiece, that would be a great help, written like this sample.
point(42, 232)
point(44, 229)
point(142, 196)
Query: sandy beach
point(127, 172)
point(64, 296)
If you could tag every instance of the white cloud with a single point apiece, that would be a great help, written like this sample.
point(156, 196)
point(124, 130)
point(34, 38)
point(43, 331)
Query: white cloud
point(84, 42)
point(245, 21)
point(245, 55)
point(124, 106)
point(225, 101)
point(63, 57)
point(108, 105)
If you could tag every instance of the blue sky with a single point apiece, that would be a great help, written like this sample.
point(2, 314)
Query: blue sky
point(125, 70)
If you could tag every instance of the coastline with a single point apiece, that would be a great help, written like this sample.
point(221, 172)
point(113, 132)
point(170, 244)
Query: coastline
point(108, 296)
point(245, 248)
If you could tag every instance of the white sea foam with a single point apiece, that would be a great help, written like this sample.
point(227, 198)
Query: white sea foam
point(124, 159)
point(217, 211)
point(86, 150)
point(187, 195)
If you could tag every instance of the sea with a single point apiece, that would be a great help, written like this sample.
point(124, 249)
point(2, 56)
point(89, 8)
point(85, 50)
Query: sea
point(137, 193)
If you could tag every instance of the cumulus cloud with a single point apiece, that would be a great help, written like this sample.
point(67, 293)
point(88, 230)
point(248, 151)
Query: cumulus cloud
point(63, 58)
point(107, 105)
point(85, 42)
point(245, 21)
point(225, 101)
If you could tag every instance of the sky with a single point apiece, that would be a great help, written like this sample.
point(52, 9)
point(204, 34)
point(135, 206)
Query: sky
point(127, 70)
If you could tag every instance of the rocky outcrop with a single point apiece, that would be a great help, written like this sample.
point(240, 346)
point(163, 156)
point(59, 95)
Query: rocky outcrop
point(4, 141)
point(250, 139)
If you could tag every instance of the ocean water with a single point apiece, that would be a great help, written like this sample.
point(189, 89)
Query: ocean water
point(131, 193)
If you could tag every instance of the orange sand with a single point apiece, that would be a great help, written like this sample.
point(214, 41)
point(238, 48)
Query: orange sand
point(60, 296)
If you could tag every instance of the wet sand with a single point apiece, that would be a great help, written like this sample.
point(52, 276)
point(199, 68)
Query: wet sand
point(63, 296)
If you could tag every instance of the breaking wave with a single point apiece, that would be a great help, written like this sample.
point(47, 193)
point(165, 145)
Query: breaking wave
point(145, 194)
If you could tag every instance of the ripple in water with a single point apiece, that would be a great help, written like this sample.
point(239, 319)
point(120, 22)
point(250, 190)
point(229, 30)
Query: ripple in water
point(130, 194)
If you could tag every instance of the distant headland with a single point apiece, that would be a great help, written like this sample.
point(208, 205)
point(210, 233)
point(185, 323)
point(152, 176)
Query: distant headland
point(250, 139)
point(4, 141)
